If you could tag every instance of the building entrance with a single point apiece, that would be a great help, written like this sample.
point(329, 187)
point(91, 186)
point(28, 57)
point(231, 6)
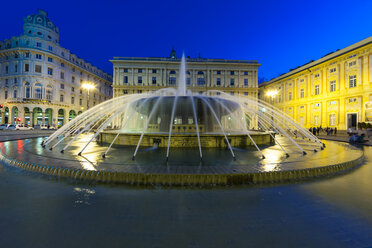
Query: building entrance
point(352, 121)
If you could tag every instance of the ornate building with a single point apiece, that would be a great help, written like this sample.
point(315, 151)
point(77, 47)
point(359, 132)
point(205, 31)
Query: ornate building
point(141, 75)
point(42, 82)
point(334, 91)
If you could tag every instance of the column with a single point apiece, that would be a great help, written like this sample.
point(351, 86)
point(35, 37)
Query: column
point(31, 119)
point(54, 121)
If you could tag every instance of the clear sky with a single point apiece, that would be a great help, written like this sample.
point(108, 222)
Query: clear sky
point(280, 34)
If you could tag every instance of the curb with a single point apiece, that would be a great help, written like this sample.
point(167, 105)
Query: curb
point(185, 179)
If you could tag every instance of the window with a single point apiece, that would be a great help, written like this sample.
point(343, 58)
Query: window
point(218, 83)
point(15, 68)
point(153, 80)
point(125, 70)
point(302, 93)
point(245, 82)
point(125, 79)
point(72, 89)
point(188, 81)
point(15, 94)
point(80, 102)
point(27, 90)
point(246, 93)
point(16, 56)
point(139, 91)
point(62, 65)
point(15, 81)
point(73, 69)
point(73, 79)
point(125, 92)
point(140, 80)
point(27, 67)
point(27, 55)
point(232, 93)
point(280, 98)
point(38, 56)
point(50, 48)
point(316, 120)
point(61, 98)
point(38, 44)
point(50, 71)
point(352, 63)
point(49, 93)
point(62, 75)
point(201, 81)
point(316, 75)
point(6, 94)
point(332, 86)
point(246, 73)
point(218, 72)
point(139, 70)
point(232, 72)
point(232, 82)
point(332, 119)
point(72, 100)
point(154, 71)
point(172, 72)
point(289, 96)
point(172, 81)
point(6, 81)
point(50, 59)
point(333, 70)
point(218, 93)
point(62, 86)
point(316, 90)
point(7, 69)
point(352, 81)
point(38, 68)
point(351, 100)
point(200, 73)
point(38, 91)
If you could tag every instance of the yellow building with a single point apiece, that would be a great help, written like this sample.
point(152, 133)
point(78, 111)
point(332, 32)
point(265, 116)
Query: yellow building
point(334, 91)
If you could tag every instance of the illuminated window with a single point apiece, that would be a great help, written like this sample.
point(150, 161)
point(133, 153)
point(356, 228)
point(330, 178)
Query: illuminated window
point(316, 90)
point(332, 86)
point(333, 70)
point(289, 96)
point(352, 81)
point(302, 93)
point(245, 82)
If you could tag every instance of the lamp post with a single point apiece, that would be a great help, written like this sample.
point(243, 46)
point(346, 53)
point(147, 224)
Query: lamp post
point(88, 87)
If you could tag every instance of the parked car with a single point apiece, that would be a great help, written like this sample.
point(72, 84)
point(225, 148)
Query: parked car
point(4, 126)
point(19, 127)
point(40, 127)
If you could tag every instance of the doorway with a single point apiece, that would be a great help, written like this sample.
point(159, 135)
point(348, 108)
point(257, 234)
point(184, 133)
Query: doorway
point(352, 120)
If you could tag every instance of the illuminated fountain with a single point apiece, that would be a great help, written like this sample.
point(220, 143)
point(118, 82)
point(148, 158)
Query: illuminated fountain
point(175, 137)
point(178, 118)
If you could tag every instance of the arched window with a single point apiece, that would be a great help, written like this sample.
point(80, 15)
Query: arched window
point(38, 91)
point(200, 73)
point(172, 72)
point(49, 92)
point(27, 90)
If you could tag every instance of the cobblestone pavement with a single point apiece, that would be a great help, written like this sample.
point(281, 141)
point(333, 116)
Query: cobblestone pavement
point(38, 211)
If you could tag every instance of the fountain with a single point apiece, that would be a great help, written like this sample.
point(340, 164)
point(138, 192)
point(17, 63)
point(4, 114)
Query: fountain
point(174, 136)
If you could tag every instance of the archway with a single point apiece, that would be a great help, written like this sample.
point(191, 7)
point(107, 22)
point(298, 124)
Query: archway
point(61, 117)
point(37, 116)
point(48, 117)
point(14, 115)
point(71, 115)
point(27, 116)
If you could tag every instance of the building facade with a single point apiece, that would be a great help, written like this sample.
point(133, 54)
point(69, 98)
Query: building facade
point(42, 82)
point(334, 91)
point(134, 75)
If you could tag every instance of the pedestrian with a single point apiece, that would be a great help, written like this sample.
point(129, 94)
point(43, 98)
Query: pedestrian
point(335, 131)
point(317, 131)
point(331, 131)
point(314, 130)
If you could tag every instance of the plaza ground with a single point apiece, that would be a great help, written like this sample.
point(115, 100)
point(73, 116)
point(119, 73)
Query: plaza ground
point(38, 211)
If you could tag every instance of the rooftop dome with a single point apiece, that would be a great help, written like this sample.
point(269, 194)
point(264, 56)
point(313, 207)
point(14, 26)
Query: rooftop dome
point(40, 25)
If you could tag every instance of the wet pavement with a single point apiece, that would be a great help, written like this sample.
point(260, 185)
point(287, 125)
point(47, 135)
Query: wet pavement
point(38, 211)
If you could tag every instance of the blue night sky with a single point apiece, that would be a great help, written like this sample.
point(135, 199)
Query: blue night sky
point(279, 34)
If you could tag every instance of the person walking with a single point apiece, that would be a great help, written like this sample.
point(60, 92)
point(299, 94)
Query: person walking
point(335, 131)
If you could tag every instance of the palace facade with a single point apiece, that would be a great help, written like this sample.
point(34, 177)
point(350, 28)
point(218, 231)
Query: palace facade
point(42, 82)
point(134, 75)
point(334, 91)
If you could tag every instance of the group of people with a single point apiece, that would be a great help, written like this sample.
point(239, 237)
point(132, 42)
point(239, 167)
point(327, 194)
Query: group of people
point(328, 131)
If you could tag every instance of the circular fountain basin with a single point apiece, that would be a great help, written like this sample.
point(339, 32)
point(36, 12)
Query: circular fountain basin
point(184, 166)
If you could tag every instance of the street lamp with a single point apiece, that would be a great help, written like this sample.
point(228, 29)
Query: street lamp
point(88, 87)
